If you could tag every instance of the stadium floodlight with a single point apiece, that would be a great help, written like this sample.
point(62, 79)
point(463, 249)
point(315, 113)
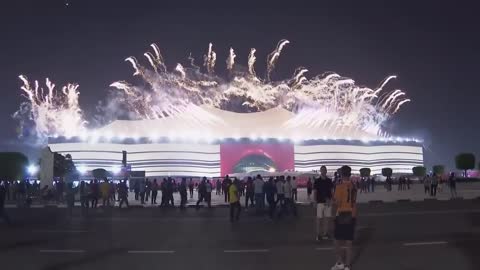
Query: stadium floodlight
point(32, 169)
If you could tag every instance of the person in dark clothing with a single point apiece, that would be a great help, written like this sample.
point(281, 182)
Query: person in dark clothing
point(183, 193)
point(60, 186)
point(95, 193)
point(148, 189)
point(170, 189)
point(218, 187)
point(190, 188)
point(452, 183)
point(323, 194)
point(269, 189)
point(84, 197)
point(123, 193)
point(250, 192)
point(136, 189)
point(70, 197)
point(154, 187)
point(163, 188)
point(434, 185)
point(3, 195)
point(225, 184)
point(208, 193)
point(201, 191)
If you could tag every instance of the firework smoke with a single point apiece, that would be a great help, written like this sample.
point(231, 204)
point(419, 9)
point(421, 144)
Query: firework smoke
point(328, 100)
point(51, 112)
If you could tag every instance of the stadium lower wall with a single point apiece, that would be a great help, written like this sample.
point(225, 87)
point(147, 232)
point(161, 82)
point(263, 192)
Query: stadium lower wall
point(163, 159)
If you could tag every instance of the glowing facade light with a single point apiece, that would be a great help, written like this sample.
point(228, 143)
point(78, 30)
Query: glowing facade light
point(32, 169)
point(272, 170)
point(82, 169)
point(116, 169)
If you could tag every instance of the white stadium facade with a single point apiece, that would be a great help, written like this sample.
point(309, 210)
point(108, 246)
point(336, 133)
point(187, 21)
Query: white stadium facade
point(205, 141)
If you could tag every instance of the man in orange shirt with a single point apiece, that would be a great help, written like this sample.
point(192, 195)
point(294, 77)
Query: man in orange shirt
point(345, 199)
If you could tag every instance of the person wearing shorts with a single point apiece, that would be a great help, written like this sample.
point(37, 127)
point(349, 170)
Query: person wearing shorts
point(322, 193)
point(345, 198)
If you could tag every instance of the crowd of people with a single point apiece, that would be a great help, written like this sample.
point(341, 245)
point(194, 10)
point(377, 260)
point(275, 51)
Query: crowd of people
point(434, 183)
point(334, 199)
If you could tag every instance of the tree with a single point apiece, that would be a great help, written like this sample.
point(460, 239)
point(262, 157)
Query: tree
point(13, 166)
point(365, 172)
point(100, 173)
point(387, 172)
point(419, 171)
point(64, 167)
point(438, 170)
point(58, 165)
point(465, 162)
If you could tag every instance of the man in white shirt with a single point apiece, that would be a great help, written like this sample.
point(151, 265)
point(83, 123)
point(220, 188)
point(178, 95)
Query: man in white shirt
point(294, 188)
point(259, 193)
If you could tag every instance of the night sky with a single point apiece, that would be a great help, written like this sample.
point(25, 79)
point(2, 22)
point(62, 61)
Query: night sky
point(433, 48)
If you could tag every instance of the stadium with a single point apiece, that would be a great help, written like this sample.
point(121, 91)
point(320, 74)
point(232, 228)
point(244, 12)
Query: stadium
point(227, 142)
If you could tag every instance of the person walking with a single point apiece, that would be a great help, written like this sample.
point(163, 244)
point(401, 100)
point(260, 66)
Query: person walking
point(190, 188)
point(225, 184)
point(83, 197)
point(70, 197)
point(163, 188)
point(136, 189)
point(148, 189)
point(170, 189)
point(234, 200)
point(345, 198)
point(95, 193)
point(289, 202)
point(426, 184)
point(279, 187)
point(105, 192)
point(322, 193)
point(201, 190)
point(258, 188)
point(294, 188)
point(3, 196)
point(269, 189)
point(123, 193)
point(218, 187)
point(154, 188)
point(208, 193)
point(141, 190)
point(452, 183)
point(183, 193)
point(113, 190)
point(372, 183)
point(433, 186)
point(249, 194)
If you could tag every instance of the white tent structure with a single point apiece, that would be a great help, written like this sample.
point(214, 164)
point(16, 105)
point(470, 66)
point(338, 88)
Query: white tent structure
point(189, 144)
